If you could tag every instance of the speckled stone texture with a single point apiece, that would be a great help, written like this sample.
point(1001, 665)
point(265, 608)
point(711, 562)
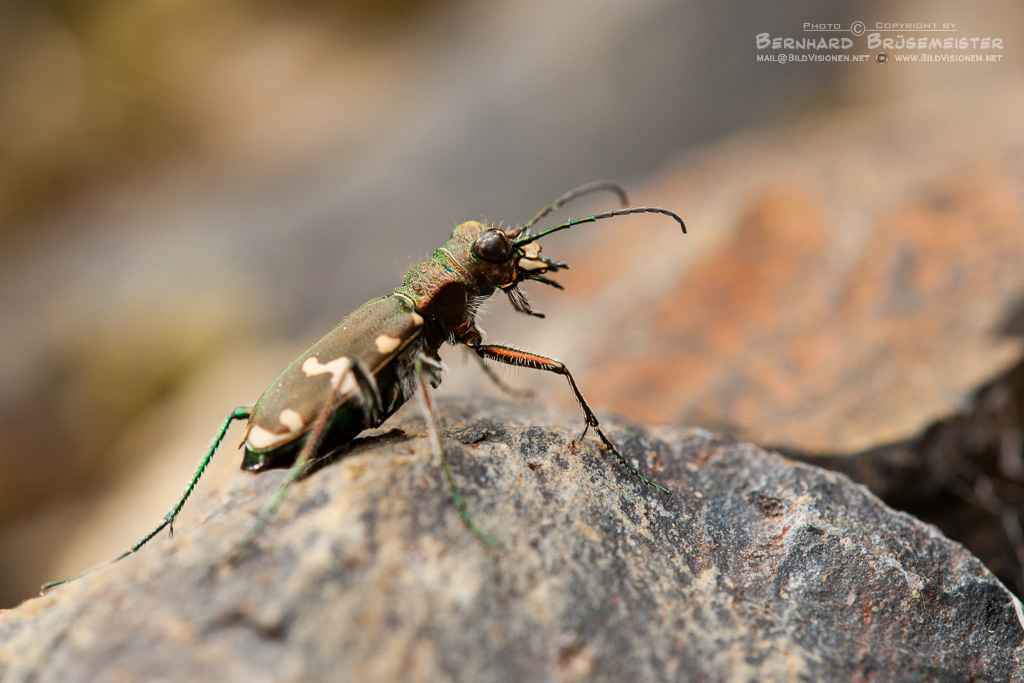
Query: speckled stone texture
point(756, 568)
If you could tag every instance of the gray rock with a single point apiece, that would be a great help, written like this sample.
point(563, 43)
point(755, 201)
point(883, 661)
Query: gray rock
point(757, 568)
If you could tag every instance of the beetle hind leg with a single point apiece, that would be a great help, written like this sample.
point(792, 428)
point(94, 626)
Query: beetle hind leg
point(167, 522)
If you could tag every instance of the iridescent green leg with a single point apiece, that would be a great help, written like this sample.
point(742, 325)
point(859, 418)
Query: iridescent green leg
point(525, 359)
point(434, 427)
point(242, 413)
point(314, 440)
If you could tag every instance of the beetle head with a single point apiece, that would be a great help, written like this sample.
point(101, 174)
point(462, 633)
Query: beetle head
point(490, 256)
point(505, 258)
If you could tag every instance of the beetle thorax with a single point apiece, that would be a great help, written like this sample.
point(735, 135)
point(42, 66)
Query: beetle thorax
point(449, 288)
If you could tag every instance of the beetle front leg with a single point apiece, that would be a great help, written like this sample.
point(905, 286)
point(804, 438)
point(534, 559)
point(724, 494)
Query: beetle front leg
point(434, 427)
point(499, 382)
point(526, 359)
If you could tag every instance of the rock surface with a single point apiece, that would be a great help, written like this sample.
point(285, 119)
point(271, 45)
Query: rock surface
point(841, 310)
point(757, 568)
point(850, 293)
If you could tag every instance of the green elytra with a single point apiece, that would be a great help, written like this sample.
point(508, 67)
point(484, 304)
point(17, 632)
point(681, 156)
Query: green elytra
point(357, 375)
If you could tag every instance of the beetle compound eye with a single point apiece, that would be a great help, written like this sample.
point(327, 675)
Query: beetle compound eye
point(492, 246)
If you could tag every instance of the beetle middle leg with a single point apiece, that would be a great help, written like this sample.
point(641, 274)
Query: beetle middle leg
point(526, 359)
point(434, 427)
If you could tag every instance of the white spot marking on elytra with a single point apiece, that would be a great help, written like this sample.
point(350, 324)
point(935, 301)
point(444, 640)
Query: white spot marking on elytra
point(291, 419)
point(340, 370)
point(260, 438)
point(386, 343)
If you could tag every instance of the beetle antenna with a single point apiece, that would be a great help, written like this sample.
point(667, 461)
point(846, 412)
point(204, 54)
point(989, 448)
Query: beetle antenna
point(526, 239)
point(599, 186)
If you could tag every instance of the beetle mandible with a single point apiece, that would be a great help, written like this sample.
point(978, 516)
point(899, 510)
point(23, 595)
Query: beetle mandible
point(358, 374)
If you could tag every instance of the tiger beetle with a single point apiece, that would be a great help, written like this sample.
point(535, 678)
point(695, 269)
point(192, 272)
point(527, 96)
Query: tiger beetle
point(358, 374)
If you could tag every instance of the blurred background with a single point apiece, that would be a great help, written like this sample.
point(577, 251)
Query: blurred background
point(192, 192)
